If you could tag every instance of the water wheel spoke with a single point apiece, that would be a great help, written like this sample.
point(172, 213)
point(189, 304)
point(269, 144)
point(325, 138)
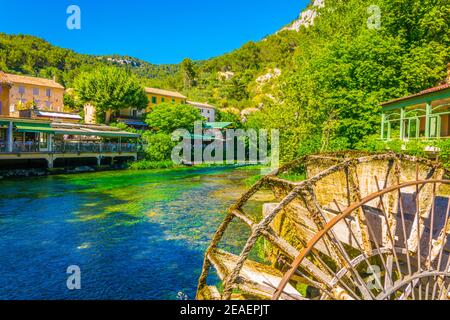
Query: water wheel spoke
point(388, 281)
point(364, 254)
point(389, 226)
point(340, 287)
point(360, 216)
point(431, 227)
point(409, 290)
point(439, 245)
point(386, 239)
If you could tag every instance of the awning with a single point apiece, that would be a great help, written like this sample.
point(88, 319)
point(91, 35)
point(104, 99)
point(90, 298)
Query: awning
point(217, 125)
point(131, 122)
point(96, 133)
point(61, 115)
point(205, 137)
point(34, 127)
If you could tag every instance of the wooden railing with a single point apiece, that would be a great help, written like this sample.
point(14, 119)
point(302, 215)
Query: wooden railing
point(69, 147)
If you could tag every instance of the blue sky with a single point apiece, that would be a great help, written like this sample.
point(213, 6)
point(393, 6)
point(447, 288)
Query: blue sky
point(157, 31)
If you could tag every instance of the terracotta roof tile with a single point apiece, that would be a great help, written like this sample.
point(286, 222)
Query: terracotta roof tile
point(165, 93)
point(4, 78)
point(421, 93)
point(201, 105)
point(13, 78)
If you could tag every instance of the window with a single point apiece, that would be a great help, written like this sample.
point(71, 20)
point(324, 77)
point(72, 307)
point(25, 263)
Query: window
point(48, 104)
point(434, 126)
point(35, 91)
point(21, 90)
point(154, 100)
point(48, 92)
point(173, 100)
point(163, 99)
point(414, 128)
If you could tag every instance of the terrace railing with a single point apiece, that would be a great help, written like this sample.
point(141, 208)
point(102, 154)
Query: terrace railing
point(70, 147)
point(92, 147)
point(29, 146)
point(3, 147)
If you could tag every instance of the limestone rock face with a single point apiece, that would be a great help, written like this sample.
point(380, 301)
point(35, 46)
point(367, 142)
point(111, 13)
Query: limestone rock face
point(272, 74)
point(307, 17)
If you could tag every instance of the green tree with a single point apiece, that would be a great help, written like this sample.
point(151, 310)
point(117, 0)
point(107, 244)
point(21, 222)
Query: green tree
point(189, 73)
point(342, 70)
point(159, 146)
point(224, 116)
point(110, 89)
point(168, 117)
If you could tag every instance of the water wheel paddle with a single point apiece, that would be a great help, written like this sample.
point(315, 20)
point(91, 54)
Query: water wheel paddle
point(359, 227)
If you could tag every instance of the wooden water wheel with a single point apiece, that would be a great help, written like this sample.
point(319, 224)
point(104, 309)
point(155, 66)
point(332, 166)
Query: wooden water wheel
point(358, 227)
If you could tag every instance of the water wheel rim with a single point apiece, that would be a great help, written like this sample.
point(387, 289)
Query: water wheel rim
point(333, 222)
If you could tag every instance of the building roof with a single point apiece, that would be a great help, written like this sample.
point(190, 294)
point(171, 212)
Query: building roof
point(28, 125)
point(62, 115)
point(4, 79)
point(162, 92)
point(91, 130)
point(42, 82)
point(421, 93)
point(201, 105)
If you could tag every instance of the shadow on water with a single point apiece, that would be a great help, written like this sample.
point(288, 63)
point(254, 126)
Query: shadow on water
point(135, 235)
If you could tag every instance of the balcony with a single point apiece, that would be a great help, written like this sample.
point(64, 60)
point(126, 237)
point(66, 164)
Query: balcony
point(69, 147)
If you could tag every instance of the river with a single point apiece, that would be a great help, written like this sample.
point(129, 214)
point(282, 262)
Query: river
point(134, 234)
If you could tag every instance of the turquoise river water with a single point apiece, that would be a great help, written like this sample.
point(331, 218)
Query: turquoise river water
point(134, 235)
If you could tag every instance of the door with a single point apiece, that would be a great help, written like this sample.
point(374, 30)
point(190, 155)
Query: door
point(43, 141)
point(413, 128)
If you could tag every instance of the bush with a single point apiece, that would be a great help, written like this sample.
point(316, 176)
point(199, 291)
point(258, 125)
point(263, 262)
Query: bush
point(444, 155)
point(168, 117)
point(159, 146)
point(148, 165)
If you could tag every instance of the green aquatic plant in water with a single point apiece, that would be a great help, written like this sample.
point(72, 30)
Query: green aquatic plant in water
point(135, 224)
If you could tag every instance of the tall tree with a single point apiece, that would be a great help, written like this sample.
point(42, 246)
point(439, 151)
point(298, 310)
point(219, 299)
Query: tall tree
point(189, 73)
point(110, 89)
point(168, 117)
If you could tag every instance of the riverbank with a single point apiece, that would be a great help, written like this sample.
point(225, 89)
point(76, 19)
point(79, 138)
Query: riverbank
point(41, 172)
point(135, 166)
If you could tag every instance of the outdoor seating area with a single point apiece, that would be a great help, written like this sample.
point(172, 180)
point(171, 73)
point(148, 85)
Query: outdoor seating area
point(425, 115)
point(33, 139)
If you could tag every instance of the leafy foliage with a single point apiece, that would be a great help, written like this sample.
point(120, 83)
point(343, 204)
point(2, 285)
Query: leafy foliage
point(159, 146)
point(333, 74)
point(168, 117)
point(343, 70)
point(24, 54)
point(110, 89)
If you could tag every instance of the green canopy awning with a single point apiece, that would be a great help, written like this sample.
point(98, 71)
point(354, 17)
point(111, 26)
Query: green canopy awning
point(34, 127)
point(217, 125)
point(205, 137)
point(96, 133)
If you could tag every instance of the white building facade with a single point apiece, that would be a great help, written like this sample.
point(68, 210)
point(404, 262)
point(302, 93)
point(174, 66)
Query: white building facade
point(208, 111)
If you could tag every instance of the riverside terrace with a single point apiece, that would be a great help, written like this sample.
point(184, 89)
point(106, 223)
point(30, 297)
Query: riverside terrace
point(425, 116)
point(24, 141)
